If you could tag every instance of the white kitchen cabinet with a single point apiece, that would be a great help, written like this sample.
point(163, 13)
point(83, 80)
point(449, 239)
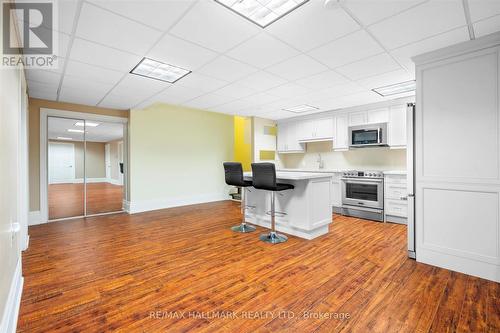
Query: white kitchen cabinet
point(316, 129)
point(377, 116)
point(341, 133)
point(357, 118)
point(395, 199)
point(336, 192)
point(397, 127)
point(287, 140)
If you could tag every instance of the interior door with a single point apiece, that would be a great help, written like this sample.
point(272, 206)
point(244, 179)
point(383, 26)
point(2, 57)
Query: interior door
point(107, 160)
point(61, 162)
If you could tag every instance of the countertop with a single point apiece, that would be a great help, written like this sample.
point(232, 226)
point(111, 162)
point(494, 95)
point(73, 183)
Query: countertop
point(296, 175)
point(389, 172)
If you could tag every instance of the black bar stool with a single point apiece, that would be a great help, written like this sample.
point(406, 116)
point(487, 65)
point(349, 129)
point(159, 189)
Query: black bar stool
point(264, 178)
point(234, 177)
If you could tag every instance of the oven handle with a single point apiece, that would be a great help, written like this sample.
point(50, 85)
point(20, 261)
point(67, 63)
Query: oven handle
point(362, 181)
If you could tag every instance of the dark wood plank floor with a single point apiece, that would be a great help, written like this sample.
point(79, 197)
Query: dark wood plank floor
point(183, 270)
point(66, 200)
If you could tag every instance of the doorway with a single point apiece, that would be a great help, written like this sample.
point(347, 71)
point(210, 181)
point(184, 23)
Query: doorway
point(84, 165)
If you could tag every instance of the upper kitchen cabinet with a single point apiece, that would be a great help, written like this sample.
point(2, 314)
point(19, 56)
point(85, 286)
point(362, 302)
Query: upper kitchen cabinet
point(288, 141)
point(316, 130)
point(341, 133)
point(369, 117)
point(397, 127)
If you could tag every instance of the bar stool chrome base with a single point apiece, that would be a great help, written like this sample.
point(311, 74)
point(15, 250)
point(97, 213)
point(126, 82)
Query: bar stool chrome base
point(273, 238)
point(243, 228)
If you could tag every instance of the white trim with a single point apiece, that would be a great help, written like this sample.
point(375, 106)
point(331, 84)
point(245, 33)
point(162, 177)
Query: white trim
point(44, 114)
point(140, 206)
point(11, 311)
point(80, 180)
point(35, 218)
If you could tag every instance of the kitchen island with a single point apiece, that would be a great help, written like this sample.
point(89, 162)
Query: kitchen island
point(307, 208)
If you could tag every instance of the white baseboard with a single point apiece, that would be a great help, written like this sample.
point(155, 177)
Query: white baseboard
point(35, 218)
point(11, 311)
point(114, 181)
point(155, 204)
point(80, 181)
point(468, 266)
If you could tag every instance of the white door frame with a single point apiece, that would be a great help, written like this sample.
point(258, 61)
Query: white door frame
point(44, 114)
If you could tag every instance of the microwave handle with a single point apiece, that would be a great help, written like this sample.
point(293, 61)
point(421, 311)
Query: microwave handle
point(379, 134)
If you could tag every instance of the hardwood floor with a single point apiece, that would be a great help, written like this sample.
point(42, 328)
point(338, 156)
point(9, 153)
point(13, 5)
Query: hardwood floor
point(183, 270)
point(66, 200)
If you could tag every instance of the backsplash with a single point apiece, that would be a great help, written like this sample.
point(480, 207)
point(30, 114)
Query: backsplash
point(357, 159)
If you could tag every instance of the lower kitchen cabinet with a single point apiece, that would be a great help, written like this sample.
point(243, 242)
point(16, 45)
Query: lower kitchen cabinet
point(395, 198)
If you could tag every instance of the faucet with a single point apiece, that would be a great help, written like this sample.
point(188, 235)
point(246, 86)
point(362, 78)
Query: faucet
point(321, 164)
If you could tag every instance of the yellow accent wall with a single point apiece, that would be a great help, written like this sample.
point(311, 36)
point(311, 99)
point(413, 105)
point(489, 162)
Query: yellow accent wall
point(243, 141)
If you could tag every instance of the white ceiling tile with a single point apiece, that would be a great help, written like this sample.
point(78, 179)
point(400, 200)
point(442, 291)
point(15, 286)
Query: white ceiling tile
point(487, 26)
point(288, 90)
point(369, 12)
point(177, 52)
point(376, 65)
point(358, 99)
point(140, 86)
point(481, 9)
point(115, 101)
point(43, 76)
point(74, 96)
point(353, 47)
point(262, 51)
point(157, 14)
point(323, 80)
point(201, 82)
point(214, 26)
point(103, 56)
point(261, 81)
point(386, 79)
point(63, 41)
point(426, 20)
point(336, 91)
point(312, 25)
point(208, 101)
point(104, 27)
point(404, 54)
point(42, 90)
point(235, 90)
point(261, 98)
point(92, 73)
point(227, 69)
point(297, 68)
point(176, 94)
point(234, 106)
point(66, 15)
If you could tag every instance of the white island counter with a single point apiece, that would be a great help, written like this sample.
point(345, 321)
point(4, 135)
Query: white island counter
point(307, 207)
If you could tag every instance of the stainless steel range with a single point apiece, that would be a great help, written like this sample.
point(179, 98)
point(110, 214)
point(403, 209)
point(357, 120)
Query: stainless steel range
point(363, 194)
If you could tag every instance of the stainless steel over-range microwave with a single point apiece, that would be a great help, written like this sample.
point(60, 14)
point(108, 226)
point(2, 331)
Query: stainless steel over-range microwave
point(374, 135)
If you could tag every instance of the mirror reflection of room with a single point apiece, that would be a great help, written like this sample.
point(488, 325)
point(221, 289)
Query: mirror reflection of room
point(85, 163)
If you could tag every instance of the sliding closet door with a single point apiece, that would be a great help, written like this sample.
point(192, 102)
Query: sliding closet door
point(103, 167)
point(65, 162)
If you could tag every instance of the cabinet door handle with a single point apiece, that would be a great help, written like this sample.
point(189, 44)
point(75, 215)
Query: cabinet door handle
point(404, 198)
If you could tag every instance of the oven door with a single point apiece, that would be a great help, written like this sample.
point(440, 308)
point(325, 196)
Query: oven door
point(367, 193)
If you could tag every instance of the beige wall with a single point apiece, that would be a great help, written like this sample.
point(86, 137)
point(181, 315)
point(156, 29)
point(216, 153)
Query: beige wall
point(364, 159)
point(176, 154)
point(34, 138)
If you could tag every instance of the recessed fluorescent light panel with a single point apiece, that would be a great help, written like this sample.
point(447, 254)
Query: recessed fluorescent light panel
point(63, 138)
point(75, 130)
point(301, 108)
point(262, 12)
point(159, 71)
point(395, 89)
point(87, 123)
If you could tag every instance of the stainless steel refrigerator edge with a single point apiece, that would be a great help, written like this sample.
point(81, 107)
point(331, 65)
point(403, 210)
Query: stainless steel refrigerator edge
point(410, 166)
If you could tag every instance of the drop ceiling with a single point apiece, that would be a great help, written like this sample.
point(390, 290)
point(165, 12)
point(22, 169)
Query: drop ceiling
point(104, 132)
point(327, 57)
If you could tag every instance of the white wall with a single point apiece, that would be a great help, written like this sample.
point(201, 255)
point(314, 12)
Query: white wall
point(457, 169)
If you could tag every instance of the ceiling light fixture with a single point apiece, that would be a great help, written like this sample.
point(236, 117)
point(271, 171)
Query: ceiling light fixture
point(75, 130)
point(63, 138)
point(301, 108)
point(86, 123)
point(262, 12)
point(395, 89)
point(159, 71)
